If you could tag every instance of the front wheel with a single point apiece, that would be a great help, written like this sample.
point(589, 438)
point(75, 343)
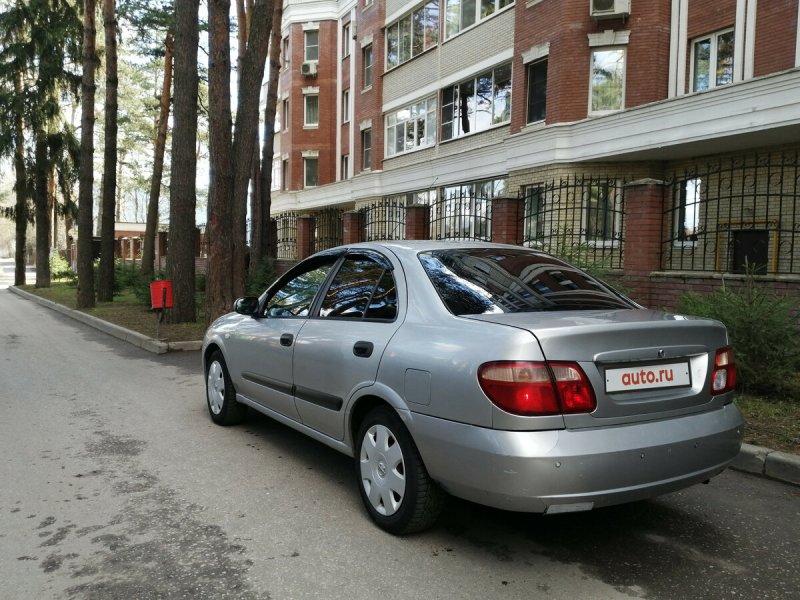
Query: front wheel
point(220, 393)
point(397, 491)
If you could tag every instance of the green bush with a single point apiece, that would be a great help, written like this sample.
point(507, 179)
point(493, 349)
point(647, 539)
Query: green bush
point(60, 269)
point(764, 332)
point(262, 278)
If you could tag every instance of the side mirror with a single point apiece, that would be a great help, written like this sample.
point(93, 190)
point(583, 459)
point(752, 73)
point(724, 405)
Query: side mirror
point(248, 305)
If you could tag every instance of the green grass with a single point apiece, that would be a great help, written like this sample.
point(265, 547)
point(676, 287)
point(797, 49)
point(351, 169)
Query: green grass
point(771, 422)
point(125, 311)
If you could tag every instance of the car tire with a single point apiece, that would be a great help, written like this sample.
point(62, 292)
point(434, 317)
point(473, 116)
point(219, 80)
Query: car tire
point(395, 487)
point(220, 393)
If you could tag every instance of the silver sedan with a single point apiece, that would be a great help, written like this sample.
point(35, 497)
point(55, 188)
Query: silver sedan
point(497, 374)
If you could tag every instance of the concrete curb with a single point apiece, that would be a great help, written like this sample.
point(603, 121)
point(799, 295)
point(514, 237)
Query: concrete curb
point(132, 337)
point(752, 459)
point(768, 463)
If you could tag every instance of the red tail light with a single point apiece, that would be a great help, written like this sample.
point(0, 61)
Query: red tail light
point(537, 388)
point(724, 377)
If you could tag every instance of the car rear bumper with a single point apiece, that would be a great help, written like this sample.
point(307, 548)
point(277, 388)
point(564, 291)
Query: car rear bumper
point(564, 470)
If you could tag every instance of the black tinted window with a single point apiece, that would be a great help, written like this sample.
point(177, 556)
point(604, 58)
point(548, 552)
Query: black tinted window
point(360, 288)
point(479, 281)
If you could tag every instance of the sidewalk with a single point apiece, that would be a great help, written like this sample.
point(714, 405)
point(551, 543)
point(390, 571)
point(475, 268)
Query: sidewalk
point(765, 462)
point(132, 337)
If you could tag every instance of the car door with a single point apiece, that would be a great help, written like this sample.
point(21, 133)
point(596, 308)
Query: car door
point(339, 349)
point(265, 345)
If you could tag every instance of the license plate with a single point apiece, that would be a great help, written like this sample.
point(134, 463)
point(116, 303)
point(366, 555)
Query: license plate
point(648, 377)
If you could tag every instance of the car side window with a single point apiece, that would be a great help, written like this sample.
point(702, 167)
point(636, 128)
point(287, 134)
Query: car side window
point(361, 288)
point(294, 298)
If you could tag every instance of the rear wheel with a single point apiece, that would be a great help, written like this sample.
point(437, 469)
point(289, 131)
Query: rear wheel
point(397, 491)
point(220, 394)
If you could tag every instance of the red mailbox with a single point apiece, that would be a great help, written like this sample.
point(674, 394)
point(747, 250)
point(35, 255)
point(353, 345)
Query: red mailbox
point(161, 294)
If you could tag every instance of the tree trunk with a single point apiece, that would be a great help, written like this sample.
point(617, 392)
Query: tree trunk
point(42, 213)
point(262, 225)
point(151, 229)
point(86, 175)
point(250, 80)
point(105, 290)
point(180, 260)
point(21, 211)
point(219, 282)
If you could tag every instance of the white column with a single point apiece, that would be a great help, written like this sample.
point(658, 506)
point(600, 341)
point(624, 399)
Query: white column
point(672, 89)
point(750, 39)
point(797, 38)
point(738, 39)
point(682, 43)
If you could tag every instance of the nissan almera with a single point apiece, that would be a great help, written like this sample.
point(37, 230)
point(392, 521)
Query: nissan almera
point(498, 374)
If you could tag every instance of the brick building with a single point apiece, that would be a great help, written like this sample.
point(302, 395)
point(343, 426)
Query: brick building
point(658, 139)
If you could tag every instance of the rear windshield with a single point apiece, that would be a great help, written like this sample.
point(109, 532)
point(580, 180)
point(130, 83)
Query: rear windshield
point(476, 281)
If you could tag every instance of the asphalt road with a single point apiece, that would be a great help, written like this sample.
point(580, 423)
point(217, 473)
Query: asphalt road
point(114, 484)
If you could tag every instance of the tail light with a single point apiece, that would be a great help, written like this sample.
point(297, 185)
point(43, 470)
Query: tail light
point(724, 376)
point(537, 388)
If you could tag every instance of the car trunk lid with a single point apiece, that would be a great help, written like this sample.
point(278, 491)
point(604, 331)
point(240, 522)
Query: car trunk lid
point(642, 364)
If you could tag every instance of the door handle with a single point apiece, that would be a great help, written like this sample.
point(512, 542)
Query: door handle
point(363, 349)
point(287, 339)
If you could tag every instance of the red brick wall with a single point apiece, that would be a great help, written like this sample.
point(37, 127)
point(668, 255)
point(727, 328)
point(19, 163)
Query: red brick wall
point(565, 25)
point(776, 31)
point(707, 16)
point(368, 104)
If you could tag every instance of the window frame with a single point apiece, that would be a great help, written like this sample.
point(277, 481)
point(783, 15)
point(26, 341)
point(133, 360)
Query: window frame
point(529, 91)
point(307, 46)
point(366, 150)
point(367, 67)
point(306, 123)
point(679, 226)
point(457, 105)
point(428, 41)
point(499, 6)
point(597, 49)
point(375, 259)
point(613, 207)
point(428, 113)
point(346, 41)
point(713, 59)
point(307, 161)
point(346, 105)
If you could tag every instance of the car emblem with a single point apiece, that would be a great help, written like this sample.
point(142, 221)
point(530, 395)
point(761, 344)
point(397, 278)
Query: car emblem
point(661, 353)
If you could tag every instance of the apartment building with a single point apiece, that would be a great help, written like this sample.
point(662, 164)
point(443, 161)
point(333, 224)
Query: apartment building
point(549, 123)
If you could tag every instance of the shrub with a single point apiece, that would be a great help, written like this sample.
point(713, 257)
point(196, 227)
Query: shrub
point(262, 278)
point(60, 269)
point(764, 332)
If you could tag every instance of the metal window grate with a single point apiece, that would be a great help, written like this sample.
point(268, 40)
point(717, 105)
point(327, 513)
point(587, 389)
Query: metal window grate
point(286, 235)
point(385, 220)
point(329, 229)
point(734, 214)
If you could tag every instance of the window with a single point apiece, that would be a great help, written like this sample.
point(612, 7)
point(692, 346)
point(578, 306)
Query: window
point(477, 281)
point(366, 74)
point(477, 104)
point(464, 211)
point(712, 61)
point(602, 213)
point(608, 80)
point(345, 40)
point(411, 127)
point(311, 45)
point(285, 175)
point(294, 298)
point(285, 52)
point(310, 172)
point(534, 216)
point(413, 34)
point(687, 202)
point(346, 105)
point(366, 149)
point(367, 3)
point(345, 166)
point(286, 114)
point(311, 115)
point(362, 288)
point(460, 14)
point(537, 91)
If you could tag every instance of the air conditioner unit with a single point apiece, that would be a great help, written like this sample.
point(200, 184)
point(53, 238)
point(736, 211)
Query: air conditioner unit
point(309, 69)
point(609, 9)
